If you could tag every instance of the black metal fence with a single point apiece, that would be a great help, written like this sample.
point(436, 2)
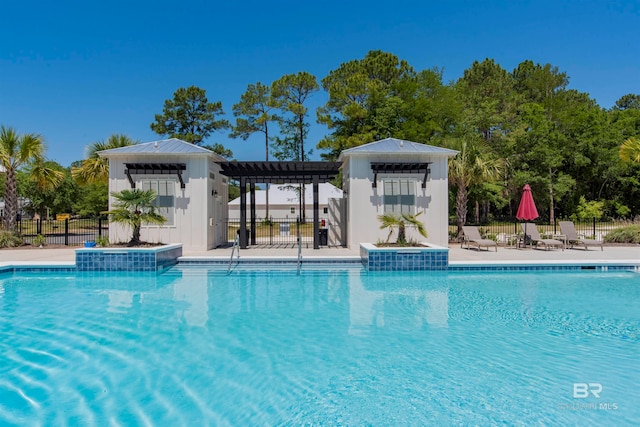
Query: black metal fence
point(68, 232)
point(500, 229)
point(278, 231)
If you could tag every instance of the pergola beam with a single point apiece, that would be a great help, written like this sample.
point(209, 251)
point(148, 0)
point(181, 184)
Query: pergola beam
point(265, 172)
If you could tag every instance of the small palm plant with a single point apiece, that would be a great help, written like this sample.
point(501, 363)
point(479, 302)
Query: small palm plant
point(401, 221)
point(133, 208)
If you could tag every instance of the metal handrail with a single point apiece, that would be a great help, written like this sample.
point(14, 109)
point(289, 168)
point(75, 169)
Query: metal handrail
point(236, 244)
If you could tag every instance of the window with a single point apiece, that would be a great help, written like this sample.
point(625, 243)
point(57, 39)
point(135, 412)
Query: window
point(165, 197)
point(293, 210)
point(325, 210)
point(399, 196)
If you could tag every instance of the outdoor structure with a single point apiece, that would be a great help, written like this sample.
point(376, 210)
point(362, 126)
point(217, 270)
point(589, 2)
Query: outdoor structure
point(388, 176)
point(253, 173)
point(284, 201)
point(395, 176)
point(191, 192)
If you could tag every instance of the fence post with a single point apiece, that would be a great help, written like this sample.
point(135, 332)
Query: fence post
point(99, 226)
point(594, 227)
point(66, 231)
point(39, 226)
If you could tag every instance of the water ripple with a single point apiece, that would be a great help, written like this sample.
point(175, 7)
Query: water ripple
point(273, 349)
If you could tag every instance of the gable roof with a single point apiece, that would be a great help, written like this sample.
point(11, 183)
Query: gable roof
point(287, 195)
point(163, 146)
point(397, 146)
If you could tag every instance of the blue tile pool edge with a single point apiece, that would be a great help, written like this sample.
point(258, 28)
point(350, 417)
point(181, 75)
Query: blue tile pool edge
point(128, 259)
point(454, 266)
point(427, 257)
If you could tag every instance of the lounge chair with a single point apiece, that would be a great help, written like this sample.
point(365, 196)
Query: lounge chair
point(568, 229)
point(472, 235)
point(531, 230)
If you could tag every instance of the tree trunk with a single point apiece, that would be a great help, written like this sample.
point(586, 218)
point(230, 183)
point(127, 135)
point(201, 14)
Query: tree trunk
point(10, 201)
point(461, 207)
point(485, 211)
point(266, 194)
point(551, 203)
point(402, 234)
point(135, 239)
point(302, 195)
point(477, 212)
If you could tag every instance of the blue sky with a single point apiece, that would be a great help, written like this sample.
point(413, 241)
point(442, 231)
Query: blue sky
point(79, 71)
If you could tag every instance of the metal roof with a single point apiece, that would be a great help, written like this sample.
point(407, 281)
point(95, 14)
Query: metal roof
point(397, 146)
point(163, 146)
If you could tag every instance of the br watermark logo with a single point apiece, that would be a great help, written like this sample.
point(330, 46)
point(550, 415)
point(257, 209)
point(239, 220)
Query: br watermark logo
point(589, 392)
point(584, 390)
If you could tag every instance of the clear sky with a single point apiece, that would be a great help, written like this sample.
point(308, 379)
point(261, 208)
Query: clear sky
point(79, 71)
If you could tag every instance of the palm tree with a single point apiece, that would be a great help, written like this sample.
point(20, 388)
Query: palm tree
point(133, 208)
point(472, 166)
point(17, 151)
point(630, 150)
point(401, 221)
point(94, 168)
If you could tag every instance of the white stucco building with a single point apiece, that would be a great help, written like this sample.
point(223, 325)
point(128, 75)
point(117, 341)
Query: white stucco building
point(387, 176)
point(284, 201)
point(395, 176)
point(191, 193)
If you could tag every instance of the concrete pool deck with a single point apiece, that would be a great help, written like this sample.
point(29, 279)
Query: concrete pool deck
point(611, 254)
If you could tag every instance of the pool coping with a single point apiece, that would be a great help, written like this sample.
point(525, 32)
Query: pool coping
point(454, 266)
point(269, 259)
point(633, 264)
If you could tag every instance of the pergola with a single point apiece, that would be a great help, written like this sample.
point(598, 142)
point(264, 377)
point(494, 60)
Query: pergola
point(277, 173)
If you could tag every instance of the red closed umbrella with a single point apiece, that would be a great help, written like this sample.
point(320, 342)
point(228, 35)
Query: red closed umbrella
point(527, 210)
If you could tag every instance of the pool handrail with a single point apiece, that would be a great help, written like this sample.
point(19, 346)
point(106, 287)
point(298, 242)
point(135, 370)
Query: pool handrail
point(236, 245)
point(299, 248)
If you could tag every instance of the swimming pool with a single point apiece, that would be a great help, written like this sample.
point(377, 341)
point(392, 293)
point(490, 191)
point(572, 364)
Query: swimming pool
point(193, 346)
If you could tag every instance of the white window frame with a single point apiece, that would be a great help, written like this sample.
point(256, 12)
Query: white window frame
point(403, 195)
point(169, 210)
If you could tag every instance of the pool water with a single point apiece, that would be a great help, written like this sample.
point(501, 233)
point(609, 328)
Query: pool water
point(195, 346)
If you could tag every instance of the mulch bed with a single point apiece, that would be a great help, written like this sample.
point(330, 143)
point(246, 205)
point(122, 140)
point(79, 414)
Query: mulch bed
point(115, 245)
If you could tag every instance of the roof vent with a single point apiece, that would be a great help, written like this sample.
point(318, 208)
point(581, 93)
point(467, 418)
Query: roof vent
point(401, 143)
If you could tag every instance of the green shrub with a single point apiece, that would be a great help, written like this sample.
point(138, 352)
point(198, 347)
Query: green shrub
point(629, 234)
point(102, 241)
point(588, 210)
point(9, 239)
point(39, 240)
